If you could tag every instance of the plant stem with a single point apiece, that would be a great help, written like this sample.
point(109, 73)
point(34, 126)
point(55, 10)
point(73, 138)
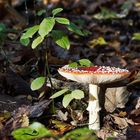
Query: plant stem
point(48, 71)
point(49, 77)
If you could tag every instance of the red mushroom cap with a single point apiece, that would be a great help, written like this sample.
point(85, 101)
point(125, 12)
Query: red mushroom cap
point(94, 74)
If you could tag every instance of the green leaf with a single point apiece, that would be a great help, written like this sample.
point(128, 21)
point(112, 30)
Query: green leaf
point(125, 8)
point(85, 62)
point(99, 41)
point(41, 12)
point(67, 99)
point(35, 130)
point(2, 27)
point(80, 134)
point(59, 93)
point(105, 14)
point(37, 83)
point(73, 65)
point(24, 133)
point(109, 138)
point(86, 32)
point(136, 36)
point(74, 28)
point(46, 26)
point(127, 5)
point(77, 94)
point(56, 11)
point(62, 20)
point(61, 39)
point(30, 32)
point(25, 42)
point(36, 42)
point(81, 62)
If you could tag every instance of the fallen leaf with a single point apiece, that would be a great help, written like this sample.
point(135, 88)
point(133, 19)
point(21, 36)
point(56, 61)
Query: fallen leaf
point(121, 122)
point(80, 134)
point(35, 130)
point(38, 109)
point(4, 116)
point(19, 119)
point(135, 115)
point(60, 127)
point(115, 44)
point(136, 128)
point(105, 14)
point(62, 116)
point(99, 41)
point(122, 114)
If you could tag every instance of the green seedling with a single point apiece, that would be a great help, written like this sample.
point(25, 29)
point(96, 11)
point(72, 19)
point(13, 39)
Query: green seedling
point(68, 95)
point(46, 29)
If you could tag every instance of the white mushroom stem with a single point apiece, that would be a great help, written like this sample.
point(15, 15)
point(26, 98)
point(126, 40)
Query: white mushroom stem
point(93, 107)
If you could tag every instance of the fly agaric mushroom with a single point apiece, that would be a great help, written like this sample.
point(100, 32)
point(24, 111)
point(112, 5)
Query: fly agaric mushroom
point(94, 75)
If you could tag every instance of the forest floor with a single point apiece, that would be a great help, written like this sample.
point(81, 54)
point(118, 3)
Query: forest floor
point(112, 38)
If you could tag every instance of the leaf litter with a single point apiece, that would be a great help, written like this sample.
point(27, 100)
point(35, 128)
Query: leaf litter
point(112, 39)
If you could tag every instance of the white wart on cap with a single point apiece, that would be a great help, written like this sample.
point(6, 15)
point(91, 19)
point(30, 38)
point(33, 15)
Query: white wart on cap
point(94, 74)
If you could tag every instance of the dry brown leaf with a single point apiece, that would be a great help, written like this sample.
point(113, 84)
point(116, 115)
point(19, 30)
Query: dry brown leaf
point(135, 115)
point(62, 116)
point(136, 80)
point(116, 97)
point(115, 44)
point(60, 127)
point(18, 84)
point(38, 109)
point(136, 128)
point(19, 119)
point(121, 122)
point(122, 114)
